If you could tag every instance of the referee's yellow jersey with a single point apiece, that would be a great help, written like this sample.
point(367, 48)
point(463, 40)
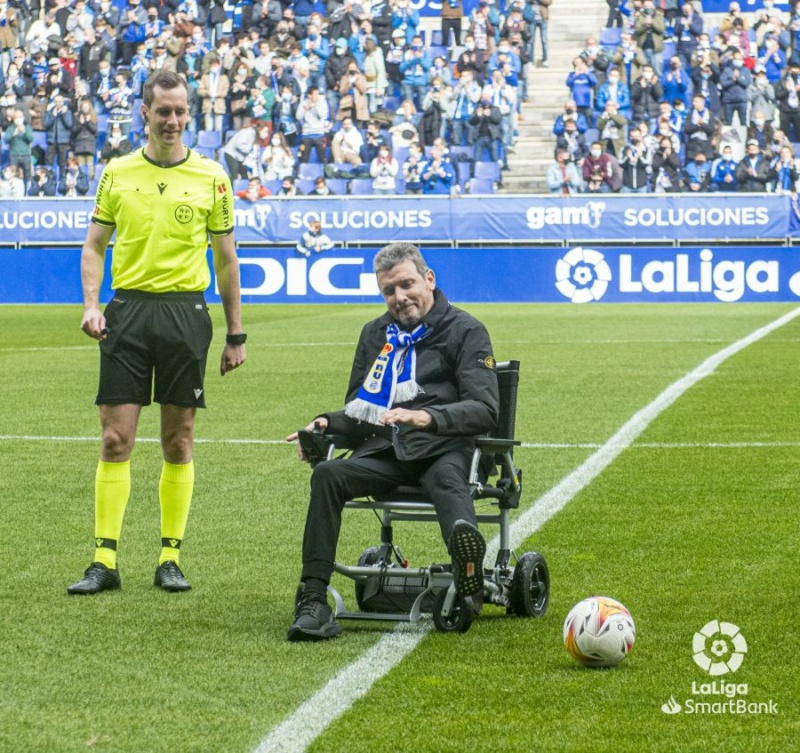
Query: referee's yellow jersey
point(163, 216)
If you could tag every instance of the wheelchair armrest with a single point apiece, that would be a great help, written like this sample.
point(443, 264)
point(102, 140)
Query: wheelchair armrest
point(496, 445)
point(343, 442)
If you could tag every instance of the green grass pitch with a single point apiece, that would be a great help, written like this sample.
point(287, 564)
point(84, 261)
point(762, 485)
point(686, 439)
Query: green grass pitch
point(697, 520)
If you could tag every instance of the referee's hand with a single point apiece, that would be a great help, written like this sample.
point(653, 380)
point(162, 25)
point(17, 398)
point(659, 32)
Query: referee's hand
point(94, 324)
point(233, 356)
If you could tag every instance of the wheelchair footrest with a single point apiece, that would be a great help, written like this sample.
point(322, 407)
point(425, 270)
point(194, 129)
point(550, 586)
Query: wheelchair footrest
point(375, 616)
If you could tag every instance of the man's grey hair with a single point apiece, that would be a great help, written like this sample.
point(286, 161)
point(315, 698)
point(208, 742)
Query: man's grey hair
point(397, 253)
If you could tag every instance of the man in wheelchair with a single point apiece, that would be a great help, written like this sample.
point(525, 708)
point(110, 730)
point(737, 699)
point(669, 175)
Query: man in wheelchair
point(422, 388)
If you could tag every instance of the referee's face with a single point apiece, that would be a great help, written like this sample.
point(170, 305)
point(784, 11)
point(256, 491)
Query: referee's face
point(167, 117)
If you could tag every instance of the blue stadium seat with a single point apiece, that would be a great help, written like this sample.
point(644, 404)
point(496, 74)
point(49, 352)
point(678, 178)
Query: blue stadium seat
point(207, 152)
point(391, 103)
point(338, 186)
point(463, 171)
point(401, 154)
point(438, 50)
point(310, 170)
point(102, 124)
point(240, 184)
point(466, 151)
point(610, 37)
point(487, 171)
point(480, 186)
point(188, 138)
point(436, 38)
point(361, 186)
point(306, 185)
point(592, 134)
point(40, 139)
point(273, 186)
point(210, 139)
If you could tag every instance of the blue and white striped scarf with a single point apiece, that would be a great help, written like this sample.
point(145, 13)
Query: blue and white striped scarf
point(392, 378)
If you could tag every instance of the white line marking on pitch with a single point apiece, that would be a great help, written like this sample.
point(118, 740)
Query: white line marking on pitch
point(524, 445)
point(301, 728)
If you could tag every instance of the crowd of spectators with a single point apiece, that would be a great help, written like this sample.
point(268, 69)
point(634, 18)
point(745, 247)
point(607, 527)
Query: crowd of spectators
point(668, 103)
point(280, 90)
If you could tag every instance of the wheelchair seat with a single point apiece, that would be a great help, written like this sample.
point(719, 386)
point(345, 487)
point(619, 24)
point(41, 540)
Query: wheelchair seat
point(386, 588)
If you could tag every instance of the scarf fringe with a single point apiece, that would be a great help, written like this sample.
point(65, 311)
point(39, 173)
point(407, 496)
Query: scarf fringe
point(361, 410)
point(406, 391)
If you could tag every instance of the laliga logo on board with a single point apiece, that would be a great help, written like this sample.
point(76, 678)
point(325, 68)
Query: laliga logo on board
point(582, 275)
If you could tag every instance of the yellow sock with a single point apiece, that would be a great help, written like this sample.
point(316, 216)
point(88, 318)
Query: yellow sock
point(111, 491)
point(175, 492)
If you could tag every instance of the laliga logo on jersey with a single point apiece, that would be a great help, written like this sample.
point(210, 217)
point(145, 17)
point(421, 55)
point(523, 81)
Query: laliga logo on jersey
point(297, 276)
point(582, 275)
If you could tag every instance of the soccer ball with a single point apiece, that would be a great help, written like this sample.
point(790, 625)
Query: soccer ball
point(599, 632)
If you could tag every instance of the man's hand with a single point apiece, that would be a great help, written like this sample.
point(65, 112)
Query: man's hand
point(419, 419)
point(233, 356)
point(94, 324)
point(318, 424)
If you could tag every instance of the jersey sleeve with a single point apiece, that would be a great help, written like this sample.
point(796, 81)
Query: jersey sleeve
point(103, 213)
point(220, 221)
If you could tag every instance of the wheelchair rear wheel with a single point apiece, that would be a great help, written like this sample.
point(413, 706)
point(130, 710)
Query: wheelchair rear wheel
point(530, 588)
point(460, 617)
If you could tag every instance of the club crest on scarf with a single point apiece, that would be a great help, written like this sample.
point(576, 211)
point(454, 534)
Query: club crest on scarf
point(392, 378)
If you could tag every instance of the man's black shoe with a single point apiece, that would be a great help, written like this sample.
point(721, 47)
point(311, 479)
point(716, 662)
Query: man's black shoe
point(170, 578)
point(467, 549)
point(313, 620)
point(97, 578)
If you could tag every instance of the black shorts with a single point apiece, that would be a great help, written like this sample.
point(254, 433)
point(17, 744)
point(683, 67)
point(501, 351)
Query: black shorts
point(161, 334)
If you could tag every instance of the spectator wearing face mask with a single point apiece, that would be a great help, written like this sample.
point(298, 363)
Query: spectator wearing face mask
point(352, 90)
point(760, 130)
point(612, 126)
point(628, 59)
point(734, 84)
point(753, 173)
point(773, 59)
point(649, 26)
point(471, 59)
point(581, 83)
point(697, 174)
point(705, 81)
point(346, 144)
point(761, 95)
point(412, 169)
point(19, 138)
point(213, 91)
point(384, 169)
point(613, 90)
point(570, 113)
point(602, 169)
point(336, 69)
point(787, 92)
point(574, 143)
point(687, 28)
point(785, 170)
point(466, 96)
point(635, 164)
point(666, 174)
point(563, 176)
point(277, 160)
point(675, 81)
point(646, 94)
point(723, 172)
point(415, 66)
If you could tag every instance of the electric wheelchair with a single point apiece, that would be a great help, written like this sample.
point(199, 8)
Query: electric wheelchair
point(386, 588)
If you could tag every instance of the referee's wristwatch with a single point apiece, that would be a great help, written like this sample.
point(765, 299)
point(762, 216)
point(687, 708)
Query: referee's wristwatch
point(239, 339)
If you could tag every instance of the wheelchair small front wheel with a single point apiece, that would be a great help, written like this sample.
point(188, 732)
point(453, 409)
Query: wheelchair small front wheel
point(460, 617)
point(530, 587)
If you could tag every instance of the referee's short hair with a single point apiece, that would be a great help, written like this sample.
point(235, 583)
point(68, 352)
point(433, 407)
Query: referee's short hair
point(164, 80)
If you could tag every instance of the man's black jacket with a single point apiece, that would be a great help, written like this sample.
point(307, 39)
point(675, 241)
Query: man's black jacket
point(456, 371)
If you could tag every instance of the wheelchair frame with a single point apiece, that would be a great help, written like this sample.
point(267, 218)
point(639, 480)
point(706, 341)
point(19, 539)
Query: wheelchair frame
point(383, 576)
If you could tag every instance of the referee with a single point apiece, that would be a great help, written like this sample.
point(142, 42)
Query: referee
point(165, 202)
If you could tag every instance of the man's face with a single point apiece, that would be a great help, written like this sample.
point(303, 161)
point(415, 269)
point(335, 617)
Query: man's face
point(167, 116)
point(408, 294)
